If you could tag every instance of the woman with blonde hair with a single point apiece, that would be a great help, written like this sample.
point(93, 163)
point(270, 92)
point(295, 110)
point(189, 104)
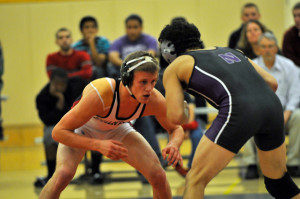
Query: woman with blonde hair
point(248, 42)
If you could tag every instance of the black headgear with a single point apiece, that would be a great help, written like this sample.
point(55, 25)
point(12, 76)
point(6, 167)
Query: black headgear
point(127, 68)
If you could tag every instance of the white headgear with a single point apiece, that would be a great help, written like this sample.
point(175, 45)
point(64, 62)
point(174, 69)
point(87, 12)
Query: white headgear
point(167, 50)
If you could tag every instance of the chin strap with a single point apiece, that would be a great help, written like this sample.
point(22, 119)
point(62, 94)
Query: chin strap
point(130, 92)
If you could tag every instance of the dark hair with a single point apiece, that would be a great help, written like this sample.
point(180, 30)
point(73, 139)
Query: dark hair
point(87, 19)
point(178, 19)
point(150, 67)
point(134, 17)
point(60, 73)
point(296, 6)
point(62, 30)
point(183, 35)
point(250, 5)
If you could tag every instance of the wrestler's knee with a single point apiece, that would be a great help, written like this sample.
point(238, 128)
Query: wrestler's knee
point(157, 177)
point(194, 178)
point(62, 176)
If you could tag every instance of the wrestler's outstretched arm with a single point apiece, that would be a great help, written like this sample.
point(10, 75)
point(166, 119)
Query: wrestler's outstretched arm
point(158, 108)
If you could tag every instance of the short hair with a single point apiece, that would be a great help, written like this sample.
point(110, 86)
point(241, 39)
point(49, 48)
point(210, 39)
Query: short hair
point(179, 18)
point(183, 35)
point(150, 67)
point(243, 42)
point(269, 36)
point(249, 5)
point(296, 6)
point(60, 73)
point(62, 30)
point(134, 17)
point(87, 19)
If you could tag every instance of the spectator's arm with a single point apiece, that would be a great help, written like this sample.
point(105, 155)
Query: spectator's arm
point(152, 46)
point(86, 68)
point(47, 114)
point(293, 97)
point(98, 58)
point(50, 65)
point(286, 116)
point(114, 58)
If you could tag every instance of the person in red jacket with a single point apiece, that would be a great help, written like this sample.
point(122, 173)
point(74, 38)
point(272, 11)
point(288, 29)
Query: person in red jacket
point(76, 63)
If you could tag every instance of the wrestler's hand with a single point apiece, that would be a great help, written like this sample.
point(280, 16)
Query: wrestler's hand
point(113, 149)
point(173, 155)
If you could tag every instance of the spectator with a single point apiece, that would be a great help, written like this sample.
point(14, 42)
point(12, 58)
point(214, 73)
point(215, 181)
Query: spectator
point(291, 39)
point(134, 40)
point(287, 76)
point(248, 42)
point(76, 63)
point(53, 101)
point(1, 85)
point(96, 46)
point(249, 11)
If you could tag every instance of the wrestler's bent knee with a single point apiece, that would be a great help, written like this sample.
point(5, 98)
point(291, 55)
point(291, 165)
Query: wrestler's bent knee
point(282, 188)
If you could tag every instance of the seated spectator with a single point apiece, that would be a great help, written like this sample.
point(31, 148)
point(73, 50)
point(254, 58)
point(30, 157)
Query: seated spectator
point(134, 40)
point(96, 46)
point(53, 101)
point(249, 11)
point(291, 39)
point(248, 42)
point(288, 92)
point(76, 63)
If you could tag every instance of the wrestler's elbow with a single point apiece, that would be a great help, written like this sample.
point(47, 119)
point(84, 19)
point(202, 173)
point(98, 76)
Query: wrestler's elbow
point(56, 134)
point(176, 117)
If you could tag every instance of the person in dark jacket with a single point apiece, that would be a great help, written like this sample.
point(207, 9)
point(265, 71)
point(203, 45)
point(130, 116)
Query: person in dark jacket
point(53, 101)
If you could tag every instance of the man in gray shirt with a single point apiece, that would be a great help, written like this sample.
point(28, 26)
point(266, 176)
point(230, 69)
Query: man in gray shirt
point(287, 75)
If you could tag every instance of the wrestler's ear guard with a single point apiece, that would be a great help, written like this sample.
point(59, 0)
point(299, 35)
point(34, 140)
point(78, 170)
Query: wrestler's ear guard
point(167, 50)
point(126, 76)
